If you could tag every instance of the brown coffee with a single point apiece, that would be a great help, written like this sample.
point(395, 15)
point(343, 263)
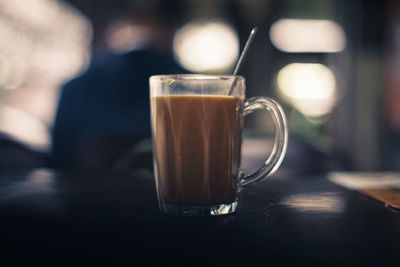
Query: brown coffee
point(196, 142)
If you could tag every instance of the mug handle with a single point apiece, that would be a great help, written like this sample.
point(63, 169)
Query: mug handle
point(281, 138)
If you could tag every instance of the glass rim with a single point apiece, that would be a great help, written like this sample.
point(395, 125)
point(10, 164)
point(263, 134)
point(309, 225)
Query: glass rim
point(196, 77)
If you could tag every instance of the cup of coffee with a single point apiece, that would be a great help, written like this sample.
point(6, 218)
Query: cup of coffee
point(197, 123)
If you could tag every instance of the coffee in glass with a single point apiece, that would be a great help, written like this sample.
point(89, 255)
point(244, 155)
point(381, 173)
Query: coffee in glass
point(197, 123)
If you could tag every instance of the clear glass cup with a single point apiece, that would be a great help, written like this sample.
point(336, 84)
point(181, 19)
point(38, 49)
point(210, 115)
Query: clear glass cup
point(197, 123)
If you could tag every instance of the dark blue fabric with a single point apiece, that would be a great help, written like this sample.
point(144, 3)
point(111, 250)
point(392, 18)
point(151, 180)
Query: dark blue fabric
point(109, 102)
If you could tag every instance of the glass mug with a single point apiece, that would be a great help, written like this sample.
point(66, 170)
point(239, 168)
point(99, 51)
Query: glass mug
point(197, 123)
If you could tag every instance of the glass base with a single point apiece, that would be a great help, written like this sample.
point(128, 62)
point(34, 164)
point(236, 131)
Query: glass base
point(199, 210)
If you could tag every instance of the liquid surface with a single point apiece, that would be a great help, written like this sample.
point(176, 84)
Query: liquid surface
point(196, 143)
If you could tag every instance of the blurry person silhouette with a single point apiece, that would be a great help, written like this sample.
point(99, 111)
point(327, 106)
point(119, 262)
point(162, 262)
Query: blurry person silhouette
point(105, 112)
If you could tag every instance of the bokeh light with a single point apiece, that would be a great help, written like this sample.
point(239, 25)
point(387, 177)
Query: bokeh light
point(57, 43)
point(211, 46)
point(309, 87)
point(23, 127)
point(318, 202)
point(122, 36)
point(43, 44)
point(307, 35)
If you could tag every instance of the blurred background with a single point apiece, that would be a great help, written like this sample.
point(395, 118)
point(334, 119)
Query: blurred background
point(334, 65)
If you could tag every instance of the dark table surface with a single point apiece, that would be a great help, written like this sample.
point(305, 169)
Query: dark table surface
point(55, 218)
